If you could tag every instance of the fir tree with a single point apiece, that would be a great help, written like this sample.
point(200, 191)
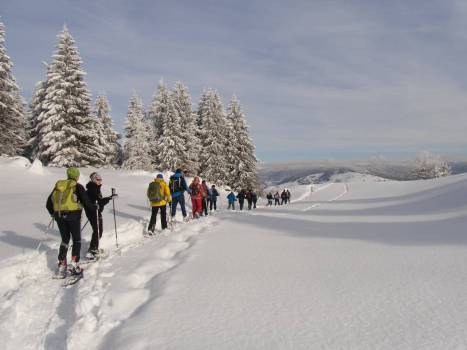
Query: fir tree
point(189, 128)
point(241, 151)
point(36, 108)
point(136, 149)
point(12, 116)
point(157, 115)
point(429, 166)
point(66, 130)
point(109, 135)
point(171, 143)
point(212, 134)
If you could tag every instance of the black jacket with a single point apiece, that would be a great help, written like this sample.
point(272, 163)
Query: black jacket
point(94, 193)
point(80, 194)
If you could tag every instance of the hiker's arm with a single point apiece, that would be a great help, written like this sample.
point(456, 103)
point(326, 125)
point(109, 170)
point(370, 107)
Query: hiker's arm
point(49, 205)
point(84, 198)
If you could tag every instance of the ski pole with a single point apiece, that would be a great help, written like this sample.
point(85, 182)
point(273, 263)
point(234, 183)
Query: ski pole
point(84, 225)
point(115, 220)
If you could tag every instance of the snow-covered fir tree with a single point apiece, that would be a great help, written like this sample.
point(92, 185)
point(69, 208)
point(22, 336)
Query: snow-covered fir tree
point(189, 128)
point(241, 157)
point(109, 135)
point(12, 116)
point(171, 142)
point(429, 166)
point(66, 128)
point(157, 115)
point(212, 133)
point(136, 149)
point(35, 109)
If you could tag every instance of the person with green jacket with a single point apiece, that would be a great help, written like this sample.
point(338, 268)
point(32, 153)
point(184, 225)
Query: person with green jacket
point(159, 195)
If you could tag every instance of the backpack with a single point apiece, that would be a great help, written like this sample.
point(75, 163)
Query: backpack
point(154, 192)
point(64, 197)
point(175, 184)
point(194, 190)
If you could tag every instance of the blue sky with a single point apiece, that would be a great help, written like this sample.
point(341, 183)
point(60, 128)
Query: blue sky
point(317, 79)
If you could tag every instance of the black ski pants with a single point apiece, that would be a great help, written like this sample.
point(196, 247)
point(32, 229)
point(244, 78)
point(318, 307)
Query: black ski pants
point(69, 225)
point(240, 202)
point(213, 204)
point(95, 219)
point(249, 204)
point(205, 206)
point(152, 222)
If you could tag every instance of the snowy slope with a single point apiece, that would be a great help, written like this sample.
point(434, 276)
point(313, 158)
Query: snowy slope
point(351, 265)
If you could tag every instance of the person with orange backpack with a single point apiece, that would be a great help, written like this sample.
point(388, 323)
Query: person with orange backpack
point(159, 195)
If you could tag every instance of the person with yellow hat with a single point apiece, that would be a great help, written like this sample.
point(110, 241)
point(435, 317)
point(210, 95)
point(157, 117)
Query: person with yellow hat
point(65, 204)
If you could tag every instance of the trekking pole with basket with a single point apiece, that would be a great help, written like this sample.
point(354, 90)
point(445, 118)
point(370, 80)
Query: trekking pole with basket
point(115, 220)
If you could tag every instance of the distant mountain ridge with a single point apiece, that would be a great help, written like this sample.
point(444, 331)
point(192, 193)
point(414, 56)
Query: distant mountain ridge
point(322, 171)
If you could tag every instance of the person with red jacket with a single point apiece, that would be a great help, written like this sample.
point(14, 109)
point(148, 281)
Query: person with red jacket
point(196, 197)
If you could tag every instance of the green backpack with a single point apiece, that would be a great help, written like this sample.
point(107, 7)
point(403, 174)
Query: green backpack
point(64, 197)
point(155, 192)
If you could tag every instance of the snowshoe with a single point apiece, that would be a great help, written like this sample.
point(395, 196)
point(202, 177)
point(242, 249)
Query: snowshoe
point(60, 273)
point(75, 274)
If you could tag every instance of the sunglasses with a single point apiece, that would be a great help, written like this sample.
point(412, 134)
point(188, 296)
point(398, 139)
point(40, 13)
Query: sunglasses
point(98, 180)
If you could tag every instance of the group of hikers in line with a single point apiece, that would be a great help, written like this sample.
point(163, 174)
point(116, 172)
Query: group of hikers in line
point(279, 199)
point(250, 196)
point(160, 194)
point(68, 198)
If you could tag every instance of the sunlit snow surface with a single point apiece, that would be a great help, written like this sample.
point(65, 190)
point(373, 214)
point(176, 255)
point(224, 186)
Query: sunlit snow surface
point(353, 264)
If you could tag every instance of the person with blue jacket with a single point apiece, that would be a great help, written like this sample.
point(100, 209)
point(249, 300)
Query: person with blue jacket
point(232, 199)
point(178, 186)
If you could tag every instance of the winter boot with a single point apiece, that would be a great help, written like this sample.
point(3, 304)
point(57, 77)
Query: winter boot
point(93, 254)
point(60, 273)
point(74, 269)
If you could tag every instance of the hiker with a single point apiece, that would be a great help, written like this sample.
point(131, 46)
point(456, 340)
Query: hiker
point(214, 195)
point(159, 195)
point(276, 198)
point(284, 197)
point(254, 198)
point(93, 189)
point(269, 198)
point(241, 198)
point(65, 205)
point(231, 198)
point(249, 198)
point(205, 197)
point(288, 196)
point(178, 186)
point(196, 197)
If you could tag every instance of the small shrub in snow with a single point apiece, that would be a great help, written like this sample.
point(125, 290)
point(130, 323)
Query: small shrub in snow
point(429, 166)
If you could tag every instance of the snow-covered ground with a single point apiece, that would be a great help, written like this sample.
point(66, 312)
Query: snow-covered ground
point(349, 265)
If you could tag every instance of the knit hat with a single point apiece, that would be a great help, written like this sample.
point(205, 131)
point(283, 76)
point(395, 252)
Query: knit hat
point(159, 176)
point(95, 176)
point(72, 173)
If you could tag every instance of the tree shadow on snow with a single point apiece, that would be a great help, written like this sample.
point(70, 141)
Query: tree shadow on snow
point(14, 239)
point(140, 207)
point(126, 215)
point(443, 232)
